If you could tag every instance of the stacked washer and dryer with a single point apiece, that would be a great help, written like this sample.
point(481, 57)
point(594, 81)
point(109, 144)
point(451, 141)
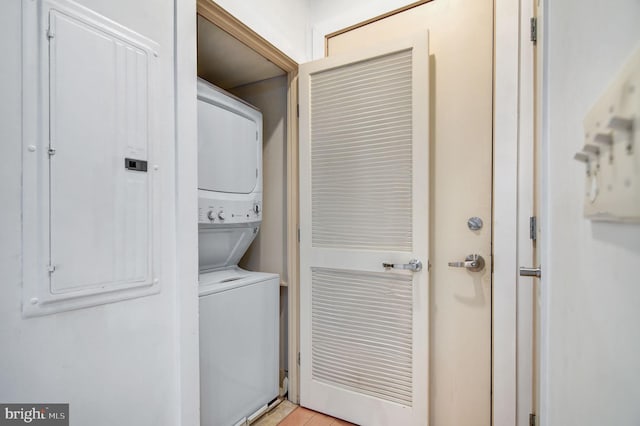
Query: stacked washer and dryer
point(238, 309)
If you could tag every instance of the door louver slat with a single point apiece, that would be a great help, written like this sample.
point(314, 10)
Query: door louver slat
point(362, 332)
point(361, 143)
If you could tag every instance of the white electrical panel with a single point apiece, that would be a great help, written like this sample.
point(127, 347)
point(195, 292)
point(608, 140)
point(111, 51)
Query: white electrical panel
point(611, 150)
point(89, 177)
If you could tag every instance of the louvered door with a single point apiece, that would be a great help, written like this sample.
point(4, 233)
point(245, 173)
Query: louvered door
point(364, 202)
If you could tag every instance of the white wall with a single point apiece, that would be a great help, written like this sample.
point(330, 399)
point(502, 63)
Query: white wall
point(284, 23)
point(115, 364)
point(323, 10)
point(186, 208)
point(590, 286)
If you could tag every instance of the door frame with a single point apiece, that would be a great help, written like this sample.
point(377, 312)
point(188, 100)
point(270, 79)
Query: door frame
point(528, 206)
point(234, 27)
point(508, 34)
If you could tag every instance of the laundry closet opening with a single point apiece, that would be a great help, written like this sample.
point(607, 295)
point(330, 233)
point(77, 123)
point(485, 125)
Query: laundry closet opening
point(231, 65)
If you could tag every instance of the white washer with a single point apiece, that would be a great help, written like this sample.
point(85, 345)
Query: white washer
point(239, 310)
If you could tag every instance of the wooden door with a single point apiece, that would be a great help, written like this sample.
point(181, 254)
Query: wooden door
point(461, 120)
point(364, 196)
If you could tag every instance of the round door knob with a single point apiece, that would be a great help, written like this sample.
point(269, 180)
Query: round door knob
point(221, 215)
point(211, 215)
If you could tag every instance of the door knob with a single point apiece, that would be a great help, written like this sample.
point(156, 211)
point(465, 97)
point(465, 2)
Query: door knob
point(473, 262)
point(414, 265)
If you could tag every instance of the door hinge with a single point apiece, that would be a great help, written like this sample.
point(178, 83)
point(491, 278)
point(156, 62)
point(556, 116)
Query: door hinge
point(533, 227)
point(298, 234)
point(532, 419)
point(534, 29)
point(298, 358)
point(298, 110)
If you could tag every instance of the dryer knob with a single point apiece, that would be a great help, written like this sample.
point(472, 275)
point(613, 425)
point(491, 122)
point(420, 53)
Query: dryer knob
point(211, 215)
point(221, 215)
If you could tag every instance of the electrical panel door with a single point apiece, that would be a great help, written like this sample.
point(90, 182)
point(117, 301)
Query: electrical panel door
point(94, 156)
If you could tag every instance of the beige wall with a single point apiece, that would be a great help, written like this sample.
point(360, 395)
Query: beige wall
point(268, 253)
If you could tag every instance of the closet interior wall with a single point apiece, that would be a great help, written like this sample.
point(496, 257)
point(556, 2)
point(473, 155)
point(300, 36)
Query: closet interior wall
point(268, 252)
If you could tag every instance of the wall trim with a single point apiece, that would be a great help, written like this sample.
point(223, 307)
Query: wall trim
point(505, 278)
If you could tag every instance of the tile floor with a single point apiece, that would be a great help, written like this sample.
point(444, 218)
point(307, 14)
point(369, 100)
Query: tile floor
point(289, 414)
point(302, 416)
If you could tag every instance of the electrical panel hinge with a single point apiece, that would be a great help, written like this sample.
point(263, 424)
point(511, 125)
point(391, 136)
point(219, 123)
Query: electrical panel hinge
point(532, 419)
point(50, 33)
point(51, 152)
point(534, 29)
point(51, 268)
point(533, 227)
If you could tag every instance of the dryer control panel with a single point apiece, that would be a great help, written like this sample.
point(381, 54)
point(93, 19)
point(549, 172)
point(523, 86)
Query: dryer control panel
point(216, 211)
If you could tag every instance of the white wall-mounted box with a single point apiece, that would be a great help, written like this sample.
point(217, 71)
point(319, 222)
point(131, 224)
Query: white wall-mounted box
point(612, 149)
point(89, 179)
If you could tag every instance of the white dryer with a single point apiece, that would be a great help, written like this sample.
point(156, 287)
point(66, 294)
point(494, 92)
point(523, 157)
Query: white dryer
point(239, 309)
